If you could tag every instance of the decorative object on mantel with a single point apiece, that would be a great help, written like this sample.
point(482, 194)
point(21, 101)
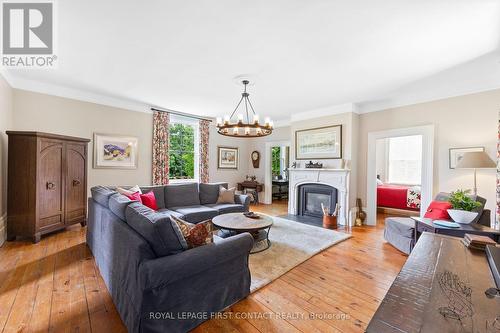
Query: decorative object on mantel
point(319, 143)
point(227, 158)
point(312, 165)
point(294, 165)
point(330, 219)
point(360, 214)
point(244, 128)
point(475, 160)
point(255, 159)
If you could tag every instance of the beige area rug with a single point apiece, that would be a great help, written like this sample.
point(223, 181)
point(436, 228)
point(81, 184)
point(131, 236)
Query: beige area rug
point(291, 244)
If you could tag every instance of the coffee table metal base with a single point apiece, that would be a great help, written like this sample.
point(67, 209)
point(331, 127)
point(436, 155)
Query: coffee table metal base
point(260, 237)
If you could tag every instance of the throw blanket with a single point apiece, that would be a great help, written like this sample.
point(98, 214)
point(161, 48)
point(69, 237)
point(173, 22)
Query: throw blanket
point(413, 197)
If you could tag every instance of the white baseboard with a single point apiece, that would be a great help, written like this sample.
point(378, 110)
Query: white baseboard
point(3, 228)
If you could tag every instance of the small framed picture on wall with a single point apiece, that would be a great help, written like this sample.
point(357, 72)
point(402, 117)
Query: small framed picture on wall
point(456, 154)
point(115, 151)
point(227, 158)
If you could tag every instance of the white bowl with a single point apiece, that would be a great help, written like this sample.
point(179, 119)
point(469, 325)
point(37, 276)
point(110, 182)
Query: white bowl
point(462, 216)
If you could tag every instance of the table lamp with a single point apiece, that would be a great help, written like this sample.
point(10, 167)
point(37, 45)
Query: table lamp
point(476, 160)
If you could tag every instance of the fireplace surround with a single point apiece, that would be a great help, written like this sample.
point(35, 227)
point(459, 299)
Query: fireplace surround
point(337, 178)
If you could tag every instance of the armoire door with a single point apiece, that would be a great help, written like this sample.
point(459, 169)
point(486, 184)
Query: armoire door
point(50, 184)
point(76, 201)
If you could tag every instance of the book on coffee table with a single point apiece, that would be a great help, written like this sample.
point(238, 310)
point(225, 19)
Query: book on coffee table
point(477, 241)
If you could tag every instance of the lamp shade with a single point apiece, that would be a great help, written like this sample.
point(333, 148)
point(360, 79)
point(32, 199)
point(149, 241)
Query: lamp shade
point(476, 160)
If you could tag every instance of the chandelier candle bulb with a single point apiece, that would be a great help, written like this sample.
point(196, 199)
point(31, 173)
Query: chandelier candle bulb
point(226, 120)
point(219, 121)
point(235, 130)
point(240, 118)
point(256, 118)
point(266, 121)
point(247, 130)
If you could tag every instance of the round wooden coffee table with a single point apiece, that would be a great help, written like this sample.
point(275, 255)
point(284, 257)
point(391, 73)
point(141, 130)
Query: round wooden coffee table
point(238, 223)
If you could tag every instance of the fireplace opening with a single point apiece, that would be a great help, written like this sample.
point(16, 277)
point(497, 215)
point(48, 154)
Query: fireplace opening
point(311, 196)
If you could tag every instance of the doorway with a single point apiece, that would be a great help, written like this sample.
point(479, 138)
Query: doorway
point(277, 157)
point(400, 171)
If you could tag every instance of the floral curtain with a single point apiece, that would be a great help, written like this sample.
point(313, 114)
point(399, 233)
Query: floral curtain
point(497, 221)
point(161, 121)
point(204, 134)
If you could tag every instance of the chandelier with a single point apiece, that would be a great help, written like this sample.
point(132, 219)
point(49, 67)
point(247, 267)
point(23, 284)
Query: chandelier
point(241, 126)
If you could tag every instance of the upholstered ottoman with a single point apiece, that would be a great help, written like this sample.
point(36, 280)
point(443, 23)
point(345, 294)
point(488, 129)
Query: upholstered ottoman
point(400, 233)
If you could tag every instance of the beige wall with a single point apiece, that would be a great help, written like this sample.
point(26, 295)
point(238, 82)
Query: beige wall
point(6, 109)
point(463, 121)
point(350, 123)
point(45, 113)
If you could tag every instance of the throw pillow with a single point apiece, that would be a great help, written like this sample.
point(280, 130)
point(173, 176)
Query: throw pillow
point(131, 190)
point(134, 196)
point(437, 210)
point(149, 200)
point(194, 234)
point(226, 196)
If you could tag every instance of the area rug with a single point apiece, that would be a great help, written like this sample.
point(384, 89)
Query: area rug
point(291, 244)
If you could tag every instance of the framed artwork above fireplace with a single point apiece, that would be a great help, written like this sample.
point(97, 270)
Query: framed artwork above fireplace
point(319, 143)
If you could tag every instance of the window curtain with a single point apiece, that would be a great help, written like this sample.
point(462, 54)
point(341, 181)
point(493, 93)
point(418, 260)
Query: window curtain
point(161, 121)
point(497, 220)
point(204, 134)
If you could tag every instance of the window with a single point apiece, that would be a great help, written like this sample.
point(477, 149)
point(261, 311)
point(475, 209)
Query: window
point(183, 149)
point(404, 162)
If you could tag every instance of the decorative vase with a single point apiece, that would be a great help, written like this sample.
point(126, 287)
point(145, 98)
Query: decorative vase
point(462, 216)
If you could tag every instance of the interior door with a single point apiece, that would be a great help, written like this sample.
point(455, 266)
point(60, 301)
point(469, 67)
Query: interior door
point(76, 163)
point(51, 184)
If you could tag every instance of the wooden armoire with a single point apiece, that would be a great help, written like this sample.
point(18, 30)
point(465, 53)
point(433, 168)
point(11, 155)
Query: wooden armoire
point(47, 183)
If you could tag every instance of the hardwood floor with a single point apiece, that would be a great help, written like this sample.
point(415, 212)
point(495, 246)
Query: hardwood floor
point(55, 286)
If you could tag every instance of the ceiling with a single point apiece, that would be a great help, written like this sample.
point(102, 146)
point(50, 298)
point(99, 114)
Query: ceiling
point(302, 55)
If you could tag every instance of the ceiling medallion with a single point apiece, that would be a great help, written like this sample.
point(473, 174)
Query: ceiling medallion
point(241, 127)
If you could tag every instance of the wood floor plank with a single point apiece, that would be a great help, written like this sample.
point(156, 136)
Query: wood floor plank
point(58, 279)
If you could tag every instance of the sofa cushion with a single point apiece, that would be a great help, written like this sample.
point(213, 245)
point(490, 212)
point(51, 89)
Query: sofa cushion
point(226, 196)
point(101, 194)
point(118, 203)
point(196, 213)
point(209, 192)
point(195, 234)
point(159, 191)
point(227, 208)
point(403, 226)
point(156, 228)
point(180, 195)
point(169, 212)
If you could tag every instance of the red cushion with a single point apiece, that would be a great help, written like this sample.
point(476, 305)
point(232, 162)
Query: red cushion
point(438, 210)
point(134, 196)
point(149, 200)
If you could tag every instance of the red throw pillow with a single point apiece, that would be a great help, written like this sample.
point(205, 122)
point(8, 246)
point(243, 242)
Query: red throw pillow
point(149, 200)
point(134, 196)
point(437, 210)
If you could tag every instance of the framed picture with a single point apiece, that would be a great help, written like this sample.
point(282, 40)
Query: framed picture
point(319, 143)
point(115, 151)
point(456, 154)
point(227, 158)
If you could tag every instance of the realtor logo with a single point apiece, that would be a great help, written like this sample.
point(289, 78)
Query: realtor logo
point(28, 29)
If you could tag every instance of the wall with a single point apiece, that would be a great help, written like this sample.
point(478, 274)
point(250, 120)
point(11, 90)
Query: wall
point(6, 110)
point(381, 162)
point(230, 176)
point(350, 123)
point(259, 144)
point(464, 121)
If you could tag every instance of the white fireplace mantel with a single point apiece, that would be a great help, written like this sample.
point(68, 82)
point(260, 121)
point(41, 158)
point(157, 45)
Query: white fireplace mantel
point(338, 178)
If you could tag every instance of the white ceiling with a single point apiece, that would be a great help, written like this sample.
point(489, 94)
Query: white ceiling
point(303, 55)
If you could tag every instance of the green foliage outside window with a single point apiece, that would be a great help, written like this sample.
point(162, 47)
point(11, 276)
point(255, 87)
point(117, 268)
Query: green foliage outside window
point(181, 151)
point(275, 160)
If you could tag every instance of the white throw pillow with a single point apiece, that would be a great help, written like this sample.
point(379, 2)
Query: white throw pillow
point(130, 191)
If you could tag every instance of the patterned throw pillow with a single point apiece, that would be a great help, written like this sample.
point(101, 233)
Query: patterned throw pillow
point(195, 234)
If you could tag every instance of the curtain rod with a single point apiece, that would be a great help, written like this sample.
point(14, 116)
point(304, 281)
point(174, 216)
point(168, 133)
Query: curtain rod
point(187, 115)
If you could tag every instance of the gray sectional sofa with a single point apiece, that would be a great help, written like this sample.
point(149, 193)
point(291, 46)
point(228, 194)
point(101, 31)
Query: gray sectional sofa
point(156, 284)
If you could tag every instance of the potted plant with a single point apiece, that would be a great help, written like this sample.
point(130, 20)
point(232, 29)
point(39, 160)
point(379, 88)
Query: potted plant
point(463, 205)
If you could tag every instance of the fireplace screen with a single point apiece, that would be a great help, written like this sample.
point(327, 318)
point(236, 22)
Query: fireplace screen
point(311, 196)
